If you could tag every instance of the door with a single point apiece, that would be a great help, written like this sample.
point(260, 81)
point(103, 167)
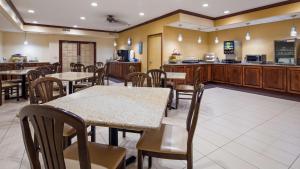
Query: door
point(76, 52)
point(154, 51)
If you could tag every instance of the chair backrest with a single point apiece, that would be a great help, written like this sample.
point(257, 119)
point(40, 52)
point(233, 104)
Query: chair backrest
point(106, 69)
point(99, 64)
point(99, 76)
point(137, 79)
point(48, 125)
point(132, 69)
point(197, 75)
point(45, 70)
point(32, 75)
point(193, 114)
point(42, 90)
point(78, 67)
point(72, 65)
point(158, 78)
point(90, 68)
point(56, 67)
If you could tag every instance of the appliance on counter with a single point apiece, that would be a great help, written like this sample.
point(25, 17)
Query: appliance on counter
point(233, 50)
point(260, 59)
point(124, 54)
point(287, 51)
point(190, 60)
point(210, 57)
point(230, 61)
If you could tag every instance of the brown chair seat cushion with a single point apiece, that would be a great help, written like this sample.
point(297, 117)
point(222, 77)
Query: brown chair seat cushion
point(101, 156)
point(168, 139)
point(184, 88)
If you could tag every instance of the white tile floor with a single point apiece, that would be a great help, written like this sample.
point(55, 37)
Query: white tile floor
point(236, 130)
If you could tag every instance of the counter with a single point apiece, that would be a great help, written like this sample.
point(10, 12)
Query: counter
point(281, 78)
point(120, 70)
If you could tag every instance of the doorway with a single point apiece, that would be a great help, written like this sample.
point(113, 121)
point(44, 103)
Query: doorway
point(76, 52)
point(154, 54)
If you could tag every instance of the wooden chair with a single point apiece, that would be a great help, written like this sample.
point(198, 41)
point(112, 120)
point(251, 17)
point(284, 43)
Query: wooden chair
point(72, 66)
point(106, 71)
point(99, 64)
point(132, 69)
point(138, 79)
point(187, 90)
point(42, 91)
point(172, 142)
point(45, 70)
point(56, 67)
point(99, 76)
point(78, 67)
point(158, 78)
point(32, 75)
point(9, 88)
point(80, 155)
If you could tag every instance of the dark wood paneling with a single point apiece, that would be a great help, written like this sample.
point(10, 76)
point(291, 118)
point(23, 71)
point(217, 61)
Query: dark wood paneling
point(252, 76)
point(120, 70)
point(293, 80)
point(219, 73)
point(274, 78)
point(235, 74)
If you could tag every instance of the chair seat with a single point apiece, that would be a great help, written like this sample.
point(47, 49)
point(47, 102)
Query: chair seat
point(68, 131)
point(15, 80)
point(101, 156)
point(168, 140)
point(174, 121)
point(170, 84)
point(184, 88)
point(6, 84)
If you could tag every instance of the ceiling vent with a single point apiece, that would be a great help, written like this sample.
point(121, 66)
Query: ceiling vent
point(66, 29)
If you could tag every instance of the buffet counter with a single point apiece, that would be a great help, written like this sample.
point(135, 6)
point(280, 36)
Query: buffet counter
point(282, 78)
point(120, 70)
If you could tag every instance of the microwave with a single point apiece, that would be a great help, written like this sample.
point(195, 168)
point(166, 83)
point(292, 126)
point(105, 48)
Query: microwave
point(256, 59)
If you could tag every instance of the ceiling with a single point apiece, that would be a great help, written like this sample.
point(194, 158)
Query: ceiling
point(68, 12)
point(6, 25)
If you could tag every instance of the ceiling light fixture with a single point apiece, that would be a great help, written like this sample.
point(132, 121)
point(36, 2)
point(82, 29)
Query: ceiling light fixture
point(31, 11)
point(82, 18)
point(199, 40)
point(248, 36)
point(35, 22)
point(94, 4)
point(75, 26)
point(180, 38)
point(226, 12)
point(129, 41)
point(115, 44)
point(142, 14)
point(216, 39)
point(294, 32)
point(205, 5)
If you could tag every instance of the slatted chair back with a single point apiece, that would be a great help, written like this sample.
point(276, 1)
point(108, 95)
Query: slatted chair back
point(99, 76)
point(158, 78)
point(78, 67)
point(90, 68)
point(45, 70)
point(32, 75)
point(48, 126)
point(42, 90)
point(99, 64)
point(56, 67)
point(132, 69)
point(137, 79)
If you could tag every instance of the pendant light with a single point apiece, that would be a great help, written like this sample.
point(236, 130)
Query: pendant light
point(115, 44)
point(25, 39)
point(129, 41)
point(180, 38)
point(199, 40)
point(248, 36)
point(294, 32)
point(216, 39)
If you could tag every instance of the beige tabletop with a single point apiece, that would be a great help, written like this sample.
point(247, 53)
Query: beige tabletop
point(71, 76)
point(117, 106)
point(176, 75)
point(16, 72)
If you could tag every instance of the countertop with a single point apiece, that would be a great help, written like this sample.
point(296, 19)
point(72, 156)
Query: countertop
point(242, 64)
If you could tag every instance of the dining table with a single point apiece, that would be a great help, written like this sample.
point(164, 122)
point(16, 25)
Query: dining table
point(71, 77)
point(22, 73)
point(118, 107)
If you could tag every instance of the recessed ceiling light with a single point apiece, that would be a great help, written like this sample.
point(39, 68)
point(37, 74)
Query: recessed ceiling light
point(226, 12)
point(75, 26)
point(142, 14)
point(82, 18)
point(205, 5)
point(94, 4)
point(30, 11)
point(35, 22)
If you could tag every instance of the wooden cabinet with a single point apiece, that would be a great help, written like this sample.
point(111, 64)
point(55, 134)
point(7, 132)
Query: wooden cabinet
point(219, 73)
point(235, 74)
point(120, 70)
point(293, 80)
point(274, 78)
point(252, 76)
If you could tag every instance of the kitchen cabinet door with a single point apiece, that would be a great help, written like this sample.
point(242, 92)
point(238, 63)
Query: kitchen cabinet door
point(274, 78)
point(252, 76)
point(219, 73)
point(293, 80)
point(235, 74)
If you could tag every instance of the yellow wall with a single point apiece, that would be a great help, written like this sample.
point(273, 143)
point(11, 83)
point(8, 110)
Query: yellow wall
point(262, 38)
point(46, 47)
point(1, 44)
point(188, 47)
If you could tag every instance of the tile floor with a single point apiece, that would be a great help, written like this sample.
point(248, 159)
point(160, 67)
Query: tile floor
point(236, 130)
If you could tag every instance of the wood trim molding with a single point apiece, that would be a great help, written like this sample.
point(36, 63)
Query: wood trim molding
point(10, 3)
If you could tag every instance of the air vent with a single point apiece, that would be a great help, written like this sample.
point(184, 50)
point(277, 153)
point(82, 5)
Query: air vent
point(66, 30)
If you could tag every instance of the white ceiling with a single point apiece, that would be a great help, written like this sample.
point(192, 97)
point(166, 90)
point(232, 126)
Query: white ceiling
point(68, 12)
point(6, 25)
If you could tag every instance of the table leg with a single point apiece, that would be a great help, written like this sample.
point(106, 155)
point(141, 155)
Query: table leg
point(70, 87)
point(24, 93)
point(113, 140)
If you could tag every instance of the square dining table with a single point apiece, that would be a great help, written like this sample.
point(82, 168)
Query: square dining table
point(117, 107)
point(22, 73)
point(71, 77)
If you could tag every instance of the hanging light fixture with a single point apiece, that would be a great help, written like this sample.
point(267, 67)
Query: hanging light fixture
point(129, 41)
point(115, 44)
point(25, 39)
point(294, 32)
point(199, 40)
point(180, 38)
point(248, 36)
point(216, 39)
